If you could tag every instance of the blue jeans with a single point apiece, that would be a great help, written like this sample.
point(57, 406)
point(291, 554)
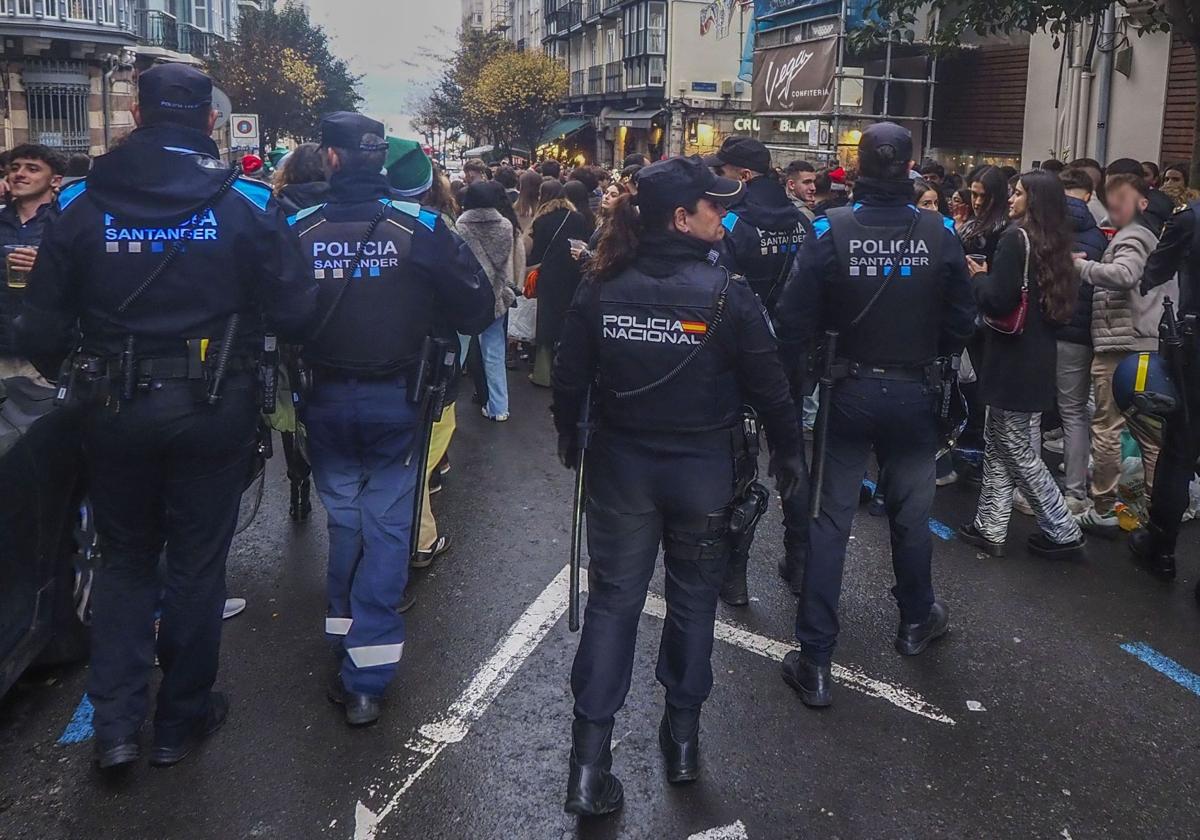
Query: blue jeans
point(359, 434)
point(492, 343)
point(896, 420)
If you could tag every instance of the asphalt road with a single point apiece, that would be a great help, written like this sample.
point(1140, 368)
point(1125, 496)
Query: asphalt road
point(1030, 720)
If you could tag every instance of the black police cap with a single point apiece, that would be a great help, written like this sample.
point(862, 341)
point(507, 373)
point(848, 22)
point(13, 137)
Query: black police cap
point(884, 148)
point(744, 152)
point(174, 87)
point(680, 181)
point(348, 130)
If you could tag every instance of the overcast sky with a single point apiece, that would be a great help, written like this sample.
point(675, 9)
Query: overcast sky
point(385, 42)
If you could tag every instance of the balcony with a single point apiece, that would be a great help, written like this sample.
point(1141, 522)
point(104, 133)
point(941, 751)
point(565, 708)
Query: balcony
point(196, 41)
point(593, 9)
point(78, 20)
point(156, 29)
point(611, 8)
point(595, 81)
point(577, 82)
point(613, 76)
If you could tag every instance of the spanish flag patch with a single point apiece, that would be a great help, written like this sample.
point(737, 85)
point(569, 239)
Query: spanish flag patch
point(694, 327)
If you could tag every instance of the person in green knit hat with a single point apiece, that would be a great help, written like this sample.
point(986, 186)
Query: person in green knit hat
point(410, 174)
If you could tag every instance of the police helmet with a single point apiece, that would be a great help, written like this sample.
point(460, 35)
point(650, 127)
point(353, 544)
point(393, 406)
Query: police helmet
point(1144, 391)
point(884, 151)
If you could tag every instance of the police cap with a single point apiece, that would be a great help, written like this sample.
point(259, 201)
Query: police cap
point(743, 152)
point(680, 181)
point(175, 87)
point(349, 130)
point(885, 150)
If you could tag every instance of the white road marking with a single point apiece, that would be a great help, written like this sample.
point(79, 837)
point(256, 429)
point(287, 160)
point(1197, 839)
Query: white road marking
point(846, 675)
point(507, 657)
point(735, 831)
point(523, 637)
point(975, 706)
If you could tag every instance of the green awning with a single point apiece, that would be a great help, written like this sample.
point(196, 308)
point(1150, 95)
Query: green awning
point(564, 128)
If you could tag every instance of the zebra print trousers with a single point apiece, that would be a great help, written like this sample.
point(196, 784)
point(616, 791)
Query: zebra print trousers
point(1009, 463)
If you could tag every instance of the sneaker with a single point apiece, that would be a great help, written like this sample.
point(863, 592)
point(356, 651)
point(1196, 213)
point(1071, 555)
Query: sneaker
point(1101, 524)
point(1021, 504)
point(426, 557)
point(499, 418)
point(1077, 506)
point(946, 480)
point(443, 467)
point(435, 483)
point(233, 606)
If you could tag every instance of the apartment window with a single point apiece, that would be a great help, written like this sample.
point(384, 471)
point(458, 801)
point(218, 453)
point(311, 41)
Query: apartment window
point(81, 9)
point(646, 29)
point(656, 76)
point(200, 13)
point(57, 99)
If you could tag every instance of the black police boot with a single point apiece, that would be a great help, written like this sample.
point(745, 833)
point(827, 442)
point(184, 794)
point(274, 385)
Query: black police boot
point(912, 639)
point(114, 755)
point(361, 709)
point(679, 740)
point(735, 591)
point(592, 789)
point(791, 569)
point(1153, 551)
point(813, 682)
point(165, 754)
point(301, 506)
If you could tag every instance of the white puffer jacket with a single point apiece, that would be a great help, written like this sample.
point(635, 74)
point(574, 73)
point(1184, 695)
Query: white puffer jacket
point(1123, 319)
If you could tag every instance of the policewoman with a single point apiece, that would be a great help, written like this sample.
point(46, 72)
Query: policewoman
point(670, 347)
point(387, 270)
point(764, 233)
point(892, 281)
point(169, 266)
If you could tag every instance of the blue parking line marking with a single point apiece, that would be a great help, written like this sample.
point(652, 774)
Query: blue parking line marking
point(1165, 665)
point(939, 529)
point(80, 727)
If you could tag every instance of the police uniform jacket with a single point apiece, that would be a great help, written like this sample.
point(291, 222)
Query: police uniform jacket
point(926, 311)
point(631, 330)
point(1178, 251)
point(764, 232)
point(414, 272)
point(115, 227)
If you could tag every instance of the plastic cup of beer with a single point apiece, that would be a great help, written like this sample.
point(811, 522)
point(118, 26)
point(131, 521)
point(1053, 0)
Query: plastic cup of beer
point(17, 278)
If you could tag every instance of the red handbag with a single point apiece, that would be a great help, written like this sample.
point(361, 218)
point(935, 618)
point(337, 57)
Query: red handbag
point(1014, 322)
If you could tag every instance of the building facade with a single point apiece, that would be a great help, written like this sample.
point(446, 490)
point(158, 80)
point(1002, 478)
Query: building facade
point(656, 77)
point(67, 67)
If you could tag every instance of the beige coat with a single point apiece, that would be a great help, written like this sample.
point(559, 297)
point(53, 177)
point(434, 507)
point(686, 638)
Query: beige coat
point(1123, 319)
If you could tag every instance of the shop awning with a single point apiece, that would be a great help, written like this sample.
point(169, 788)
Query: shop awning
point(564, 128)
point(630, 119)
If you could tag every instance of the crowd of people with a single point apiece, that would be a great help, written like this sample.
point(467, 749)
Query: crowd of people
point(1052, 279)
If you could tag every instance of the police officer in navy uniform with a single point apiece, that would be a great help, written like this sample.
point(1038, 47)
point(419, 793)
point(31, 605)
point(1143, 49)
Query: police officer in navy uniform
point(150, 258)
point(1178, 251)
point(765, 231)
point(388, 270)
point(675, 346)
point(885, 400)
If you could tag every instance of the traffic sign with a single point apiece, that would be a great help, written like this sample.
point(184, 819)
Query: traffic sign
point(244, 129)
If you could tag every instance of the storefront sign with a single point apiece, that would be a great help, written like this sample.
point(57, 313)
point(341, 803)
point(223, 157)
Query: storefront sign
point(795, 78)
point(745, 124)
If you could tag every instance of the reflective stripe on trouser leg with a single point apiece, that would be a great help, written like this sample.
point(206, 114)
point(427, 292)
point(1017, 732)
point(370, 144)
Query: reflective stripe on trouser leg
point(338, 626)
point(375, 655)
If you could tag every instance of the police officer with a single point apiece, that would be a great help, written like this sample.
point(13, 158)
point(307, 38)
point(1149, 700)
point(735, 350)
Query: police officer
point(168, 265)
point(675, 346)
point(892, 280)
point(387, 270)
point(764, 233)
point(1178, 251)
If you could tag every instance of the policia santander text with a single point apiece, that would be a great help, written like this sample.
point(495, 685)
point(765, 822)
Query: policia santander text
point(892, 281)
point(388, 271)
point(671, 347)
point(169, 267)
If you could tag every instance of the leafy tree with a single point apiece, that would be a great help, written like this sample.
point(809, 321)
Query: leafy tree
point(446, 106)
point(999, 17)
point(516, 94)
point(280, 66)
